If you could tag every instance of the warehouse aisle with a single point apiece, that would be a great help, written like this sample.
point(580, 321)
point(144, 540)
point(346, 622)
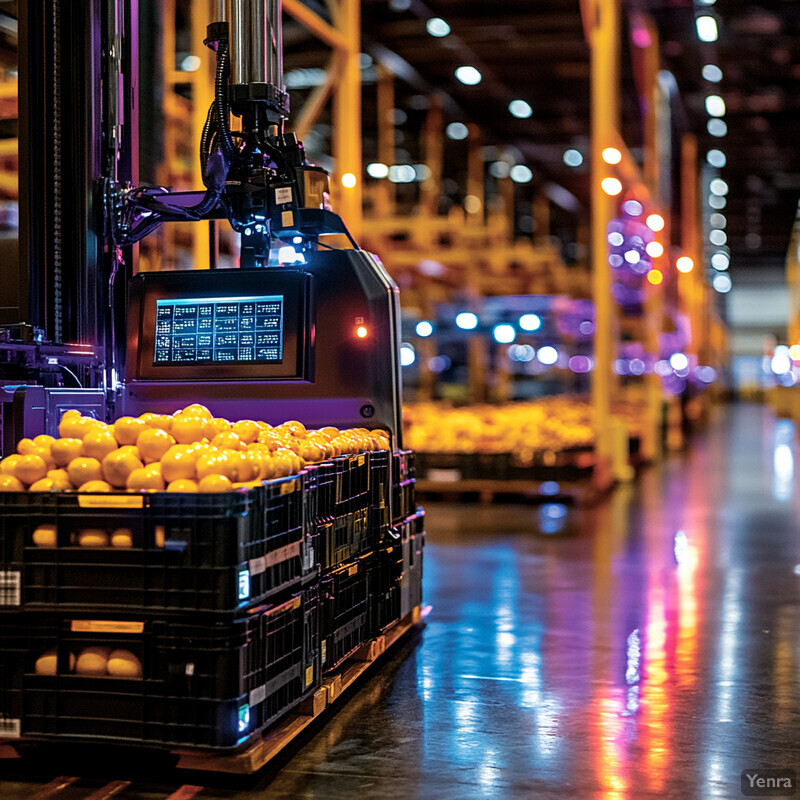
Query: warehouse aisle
point(652, 649)
point(649, 648)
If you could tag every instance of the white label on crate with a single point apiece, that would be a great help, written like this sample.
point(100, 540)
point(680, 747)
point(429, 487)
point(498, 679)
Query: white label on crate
point(283, 554)
point(258, 695)
point(283, 195)
point(308, 559)
point(10, 728)
point(444, 475)
point(324, 650)
point(10, 588)
point(189, 669)
point(257, 565)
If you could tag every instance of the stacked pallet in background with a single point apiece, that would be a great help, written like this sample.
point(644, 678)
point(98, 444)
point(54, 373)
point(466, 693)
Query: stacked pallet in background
point(221, 612)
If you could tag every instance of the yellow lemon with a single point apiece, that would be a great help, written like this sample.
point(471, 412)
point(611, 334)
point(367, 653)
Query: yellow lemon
point(9, 464)
point(124, 664)
point(92, 537)
point(42, 485)
point(76, 427)
point(45, 535)
point(10, 483)
point(146, 479)
point(215, 483)
point(127, 429)
point(153, 443)
point(122, 537)
point(82, 470)
point(64, 450)
point(93, 661)
point(183, 485)
point(246, 429)
point(96, 486)
point(179, 462)
point(31, 468)
point(216, 425)
point(198, 410)
point(61, 481)
point(98, 443)
point(119, 464)
point(188, 429)
point(227, 440)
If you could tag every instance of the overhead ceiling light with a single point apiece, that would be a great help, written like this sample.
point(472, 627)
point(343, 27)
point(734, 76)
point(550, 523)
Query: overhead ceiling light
point(611, 155)
point(712, 73)
point(717, 237)
point(436, 26)
point(654, 249)
point(469, 75)
point(722, 282)
point(716, 158)
point(457, 130)
point(718, 187)
point(684, 264)
point(377, 170)
point(718, 220)
point(612, 186)
point(655, 222)
point(499, 169)
point(717, 127)
point(706, 28)
point(573, 158)
point(520, 174)
point(633, 208)
point(720, 261)
point(520, 109)
point(715, 105)
point(717, 202)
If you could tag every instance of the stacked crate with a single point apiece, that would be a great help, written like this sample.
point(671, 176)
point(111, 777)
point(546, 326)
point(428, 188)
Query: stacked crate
point(233, 604)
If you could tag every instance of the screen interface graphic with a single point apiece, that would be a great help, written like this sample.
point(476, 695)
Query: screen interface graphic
point(219, 330)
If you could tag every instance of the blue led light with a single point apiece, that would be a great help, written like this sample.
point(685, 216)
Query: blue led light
point(244, 584)
point(244, 718)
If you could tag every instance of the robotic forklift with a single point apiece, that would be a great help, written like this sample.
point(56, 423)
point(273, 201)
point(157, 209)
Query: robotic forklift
point(301, 331)
point(325, 562)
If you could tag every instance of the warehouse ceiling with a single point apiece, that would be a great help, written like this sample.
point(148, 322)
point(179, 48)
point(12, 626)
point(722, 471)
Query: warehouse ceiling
point(537, 52)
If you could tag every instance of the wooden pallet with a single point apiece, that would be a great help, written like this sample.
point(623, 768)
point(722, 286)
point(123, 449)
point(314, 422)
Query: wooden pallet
point(277, 738)
point(582, 493)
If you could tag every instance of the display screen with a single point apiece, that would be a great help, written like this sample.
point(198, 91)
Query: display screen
point(219, 330)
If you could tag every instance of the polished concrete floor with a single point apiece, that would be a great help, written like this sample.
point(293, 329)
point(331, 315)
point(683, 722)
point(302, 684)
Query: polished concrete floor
point(646, 648)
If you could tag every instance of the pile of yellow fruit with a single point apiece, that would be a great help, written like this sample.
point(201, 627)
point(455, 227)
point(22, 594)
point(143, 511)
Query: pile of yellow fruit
point(94, 661)
point(550, 423)
point(188, 451)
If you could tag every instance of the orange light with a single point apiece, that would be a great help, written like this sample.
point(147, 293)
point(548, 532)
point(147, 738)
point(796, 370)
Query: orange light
point(654, 249)
point(611, 186)
point(684, 264)
point(361, 332)
point(794, 352)
point(655, 222)
point(349, 180)
point(611, 155)
point(655, 277)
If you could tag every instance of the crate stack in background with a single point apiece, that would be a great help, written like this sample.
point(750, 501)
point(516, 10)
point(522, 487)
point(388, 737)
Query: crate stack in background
point(198, 620)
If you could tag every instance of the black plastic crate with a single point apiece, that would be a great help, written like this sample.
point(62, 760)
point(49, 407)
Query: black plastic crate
point(404, 484)
point(344, 611)
point(351, 484)
point(380, 495)
point(385, 588)
point(214, 685)
point(190, 552)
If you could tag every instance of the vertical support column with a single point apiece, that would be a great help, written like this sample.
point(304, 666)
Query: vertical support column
point(203, 12)
point(650, 421)
point(433, 154)
point(347, 118)
point(475, 181)
point(604, 45)
point(385, 193)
